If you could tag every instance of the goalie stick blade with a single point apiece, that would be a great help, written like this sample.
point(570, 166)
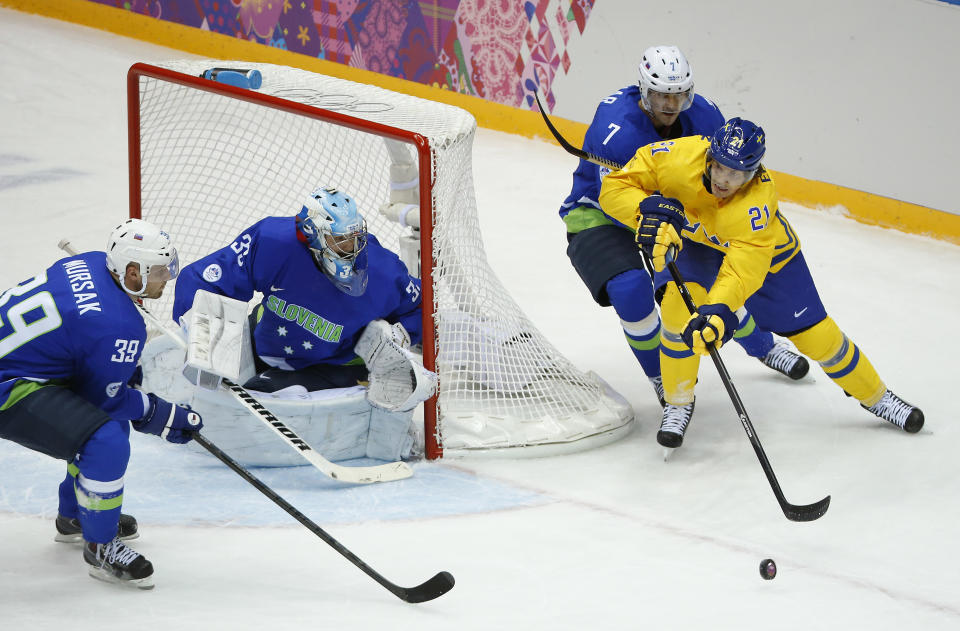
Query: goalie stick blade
point(368, 475)
point(809, 512)
point(357, 475)
point(433, 588)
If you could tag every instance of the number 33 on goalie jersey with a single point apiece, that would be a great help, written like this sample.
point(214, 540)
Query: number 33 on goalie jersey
point(72, 325)
point(305, 319)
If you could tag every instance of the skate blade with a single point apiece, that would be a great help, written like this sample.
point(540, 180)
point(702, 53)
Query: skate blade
point(107, 577)
point(62, 538)
point(668, 453)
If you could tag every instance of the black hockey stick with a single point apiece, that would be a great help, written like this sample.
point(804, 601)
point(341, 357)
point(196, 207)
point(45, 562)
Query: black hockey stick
point(793, 512)
point(580, 153)
point(433, 588)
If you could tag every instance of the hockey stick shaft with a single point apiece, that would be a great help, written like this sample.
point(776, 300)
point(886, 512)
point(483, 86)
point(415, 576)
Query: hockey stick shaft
point(580, 153)
point(436, 586)
point(793, 512)
point(357, 475)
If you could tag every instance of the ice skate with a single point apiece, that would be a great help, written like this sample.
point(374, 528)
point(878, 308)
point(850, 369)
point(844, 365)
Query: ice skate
point(676, 418)
point(892, 408)
point(786, 361)
point(657, 383)
point(114, 562)
point(68, 529)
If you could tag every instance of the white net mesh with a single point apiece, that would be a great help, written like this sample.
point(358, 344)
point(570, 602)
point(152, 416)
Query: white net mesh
point(213, 164)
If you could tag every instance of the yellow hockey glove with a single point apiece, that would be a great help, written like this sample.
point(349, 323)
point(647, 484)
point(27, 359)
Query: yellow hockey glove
point(659, 222)
point(710, 325)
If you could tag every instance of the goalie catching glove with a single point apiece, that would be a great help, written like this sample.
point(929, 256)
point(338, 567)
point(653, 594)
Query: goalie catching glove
point(398, 382)
point(659, 223)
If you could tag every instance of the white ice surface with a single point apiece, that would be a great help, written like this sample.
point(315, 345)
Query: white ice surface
point(613, 538)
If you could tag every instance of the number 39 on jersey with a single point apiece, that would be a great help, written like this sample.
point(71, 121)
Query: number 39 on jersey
point(28, 318)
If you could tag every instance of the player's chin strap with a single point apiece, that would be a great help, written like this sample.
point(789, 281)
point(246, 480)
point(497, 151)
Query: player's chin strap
point(398, 382)
point(358, 475)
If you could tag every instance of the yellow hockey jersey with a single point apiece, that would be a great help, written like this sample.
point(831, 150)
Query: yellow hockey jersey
point(747, 227)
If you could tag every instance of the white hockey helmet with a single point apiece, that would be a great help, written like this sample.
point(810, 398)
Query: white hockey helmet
point(336, 234)
point(141, 243)
point(665, 71)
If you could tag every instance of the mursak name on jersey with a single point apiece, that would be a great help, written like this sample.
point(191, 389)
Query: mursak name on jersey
point(81, 280)
point(312, 322)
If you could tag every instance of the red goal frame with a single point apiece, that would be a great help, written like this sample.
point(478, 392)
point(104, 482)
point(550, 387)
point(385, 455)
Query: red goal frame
point(433, 448)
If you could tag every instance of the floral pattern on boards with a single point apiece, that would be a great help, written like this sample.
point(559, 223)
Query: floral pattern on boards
point(499, 50)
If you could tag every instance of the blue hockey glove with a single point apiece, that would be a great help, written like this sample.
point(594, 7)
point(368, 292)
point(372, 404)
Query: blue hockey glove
point(659, 223)
point(173, 423)
point(711, 324)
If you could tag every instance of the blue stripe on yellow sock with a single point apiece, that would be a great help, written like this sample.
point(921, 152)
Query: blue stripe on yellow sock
point(676, 354)
point(846, 370)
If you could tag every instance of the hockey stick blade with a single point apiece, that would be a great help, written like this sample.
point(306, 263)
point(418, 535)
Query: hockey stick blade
point(433, 588)
point(793, 512)
point(580, 153)
point(389, 472)
point(808, 512)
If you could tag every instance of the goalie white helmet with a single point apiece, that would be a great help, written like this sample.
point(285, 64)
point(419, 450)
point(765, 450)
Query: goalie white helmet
point(336, 234)
point(141, 243)
point(666, 80)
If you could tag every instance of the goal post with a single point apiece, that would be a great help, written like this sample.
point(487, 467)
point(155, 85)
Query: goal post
point(208, 159)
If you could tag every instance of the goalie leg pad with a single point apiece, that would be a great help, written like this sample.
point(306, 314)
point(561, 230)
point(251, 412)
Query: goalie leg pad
point(392, 436)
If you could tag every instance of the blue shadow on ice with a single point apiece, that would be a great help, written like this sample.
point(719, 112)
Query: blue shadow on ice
point(175, 485)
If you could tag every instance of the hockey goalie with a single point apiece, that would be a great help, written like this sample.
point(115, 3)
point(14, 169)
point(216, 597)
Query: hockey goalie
point(326, 348)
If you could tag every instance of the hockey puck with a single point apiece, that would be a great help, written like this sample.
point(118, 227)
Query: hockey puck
point(768, 569)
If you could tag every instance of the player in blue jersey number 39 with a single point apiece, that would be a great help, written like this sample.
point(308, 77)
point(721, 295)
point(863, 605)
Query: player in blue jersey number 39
point(70, 342)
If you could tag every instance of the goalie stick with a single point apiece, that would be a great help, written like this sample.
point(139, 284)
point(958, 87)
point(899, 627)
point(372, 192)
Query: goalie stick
point(436, 586)
point(793, 512)
point(357, 475)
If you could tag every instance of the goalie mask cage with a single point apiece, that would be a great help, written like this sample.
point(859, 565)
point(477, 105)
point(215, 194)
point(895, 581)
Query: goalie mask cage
point(207, 160)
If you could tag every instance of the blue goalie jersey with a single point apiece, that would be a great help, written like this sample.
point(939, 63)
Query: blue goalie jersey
point(619, 128)
point(72, 325)
point(305, 319)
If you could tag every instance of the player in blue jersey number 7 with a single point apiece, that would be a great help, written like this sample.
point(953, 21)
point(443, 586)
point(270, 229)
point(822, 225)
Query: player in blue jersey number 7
point(70, 341)
point(601, 248)
point(712, 199)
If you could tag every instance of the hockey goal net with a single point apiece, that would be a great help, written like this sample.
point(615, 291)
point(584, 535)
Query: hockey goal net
point(207, 160)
